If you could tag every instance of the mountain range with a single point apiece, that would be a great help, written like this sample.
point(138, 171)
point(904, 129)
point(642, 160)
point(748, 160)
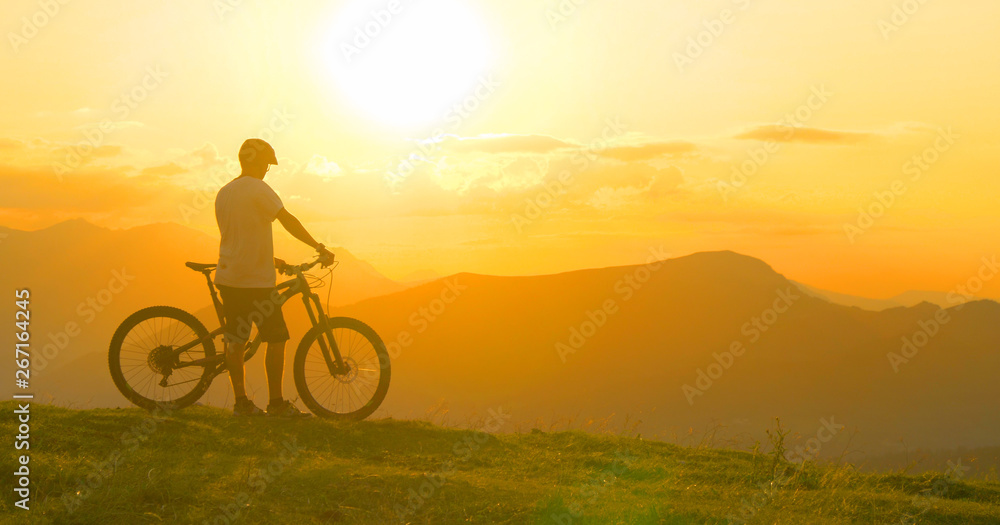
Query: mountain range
point(710, 344)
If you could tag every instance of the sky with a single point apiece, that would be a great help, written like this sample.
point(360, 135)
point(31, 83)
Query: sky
point(852, 145)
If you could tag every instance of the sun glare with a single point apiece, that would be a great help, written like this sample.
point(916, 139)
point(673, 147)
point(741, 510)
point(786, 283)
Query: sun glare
point(404, 63)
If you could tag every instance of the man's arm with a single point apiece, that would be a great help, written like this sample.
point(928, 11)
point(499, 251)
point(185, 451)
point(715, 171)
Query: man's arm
point(294, 227)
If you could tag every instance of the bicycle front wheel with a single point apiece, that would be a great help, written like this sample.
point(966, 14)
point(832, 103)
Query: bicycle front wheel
point(353, 395)
point(143, 361)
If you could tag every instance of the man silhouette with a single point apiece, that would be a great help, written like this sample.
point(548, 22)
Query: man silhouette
point(245, 276)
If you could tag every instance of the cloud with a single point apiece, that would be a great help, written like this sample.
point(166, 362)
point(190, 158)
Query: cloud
point(505, 143)
point(507, 170)
point(107, 151)
point(648, 186)
point(208, 154)
point(85, 190)
point(613, 198)
point(320, 165)
point(756, 221)
point(648, 151)
point(165, 170)
point(802, 134)
point(10, 144)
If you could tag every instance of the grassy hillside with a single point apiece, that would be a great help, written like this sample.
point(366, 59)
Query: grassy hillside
point(201, 465)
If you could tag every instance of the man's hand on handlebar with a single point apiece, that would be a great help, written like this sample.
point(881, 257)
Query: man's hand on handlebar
point(326, 256)
point(283, 267)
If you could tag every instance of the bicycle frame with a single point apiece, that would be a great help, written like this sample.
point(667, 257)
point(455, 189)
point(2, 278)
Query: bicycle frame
point(285, 291)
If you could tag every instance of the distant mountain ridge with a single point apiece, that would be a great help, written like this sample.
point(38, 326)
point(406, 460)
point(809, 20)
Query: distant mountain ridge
point(642, 338)
point(498, 342)
point(909, 298)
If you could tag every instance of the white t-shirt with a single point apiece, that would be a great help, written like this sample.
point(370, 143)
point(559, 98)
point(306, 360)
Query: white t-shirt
point(245, 209)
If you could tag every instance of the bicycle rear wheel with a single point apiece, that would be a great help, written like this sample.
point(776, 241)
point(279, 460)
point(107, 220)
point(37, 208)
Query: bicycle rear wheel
point(142, 363)
point(354, 395)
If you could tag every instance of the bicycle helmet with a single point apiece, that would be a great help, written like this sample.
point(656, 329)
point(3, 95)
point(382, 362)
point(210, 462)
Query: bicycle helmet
point(252, 149)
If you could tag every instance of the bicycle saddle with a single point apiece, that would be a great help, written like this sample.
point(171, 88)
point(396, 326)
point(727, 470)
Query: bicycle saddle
point(199, 267)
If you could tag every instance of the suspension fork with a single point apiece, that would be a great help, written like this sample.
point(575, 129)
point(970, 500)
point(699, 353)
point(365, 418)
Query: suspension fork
point(318, 317)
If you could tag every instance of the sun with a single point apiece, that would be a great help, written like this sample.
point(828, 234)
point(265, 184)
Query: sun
point(404, 63)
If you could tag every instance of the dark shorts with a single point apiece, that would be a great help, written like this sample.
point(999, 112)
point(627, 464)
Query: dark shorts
point(244, 307)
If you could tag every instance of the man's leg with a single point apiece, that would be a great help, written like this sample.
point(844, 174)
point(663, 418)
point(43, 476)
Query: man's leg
point(274, 365)
point(234, 362)
point(274, 332)
point(236, 306)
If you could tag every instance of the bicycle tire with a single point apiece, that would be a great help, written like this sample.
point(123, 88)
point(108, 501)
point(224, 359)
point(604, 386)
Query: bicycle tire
point(384, 369)
point(115, 357)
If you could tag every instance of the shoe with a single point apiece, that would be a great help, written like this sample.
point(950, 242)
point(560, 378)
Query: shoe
point(246, 408)
point(285, 408)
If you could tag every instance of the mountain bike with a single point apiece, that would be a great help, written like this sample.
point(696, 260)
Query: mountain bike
point(164, 357)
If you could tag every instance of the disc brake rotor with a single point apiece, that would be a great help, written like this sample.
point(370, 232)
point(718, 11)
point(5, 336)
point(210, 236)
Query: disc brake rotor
point(352, 372)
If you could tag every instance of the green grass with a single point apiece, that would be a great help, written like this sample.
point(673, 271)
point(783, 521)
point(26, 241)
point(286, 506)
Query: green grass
point(201, 465)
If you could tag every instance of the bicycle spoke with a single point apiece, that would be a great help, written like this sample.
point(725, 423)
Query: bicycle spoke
point(134, 358)
point(343, 393)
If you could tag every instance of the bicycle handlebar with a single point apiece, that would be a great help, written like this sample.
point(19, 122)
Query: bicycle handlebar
point(292, 269)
